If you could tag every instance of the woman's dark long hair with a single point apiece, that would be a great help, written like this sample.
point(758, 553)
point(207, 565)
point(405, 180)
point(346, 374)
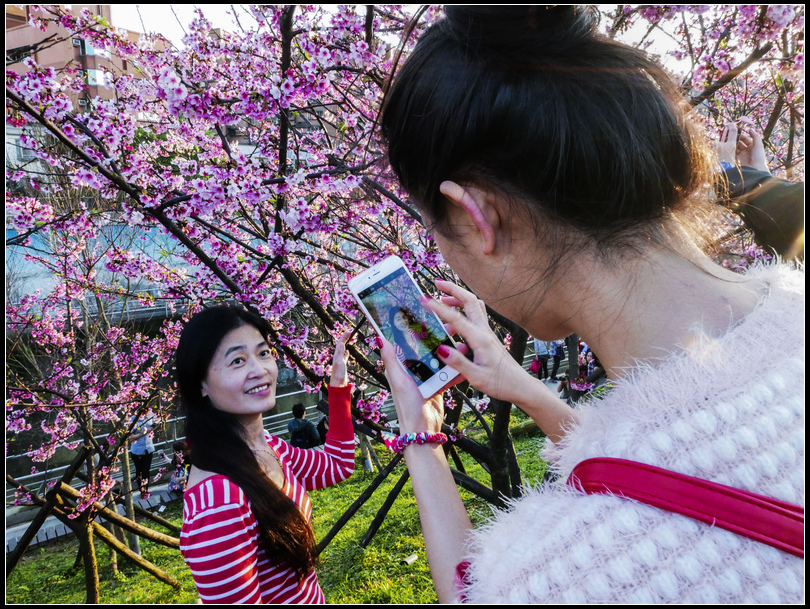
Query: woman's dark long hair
point(399, 335)
point(217, 438)
point(590, 133)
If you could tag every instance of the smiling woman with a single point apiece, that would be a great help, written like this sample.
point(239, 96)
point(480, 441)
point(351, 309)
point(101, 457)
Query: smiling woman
point(246, 517)
point(242, 376)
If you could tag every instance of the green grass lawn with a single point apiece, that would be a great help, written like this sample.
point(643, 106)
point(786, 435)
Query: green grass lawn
point(348, 573)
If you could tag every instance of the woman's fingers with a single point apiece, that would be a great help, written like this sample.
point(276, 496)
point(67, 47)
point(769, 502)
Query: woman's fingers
point(729, 133)
point(455, 320)
point(339, 375)
point(457, 360)
point(727, 146)
point(447, 308)
point(463, 349)
point(474, 308)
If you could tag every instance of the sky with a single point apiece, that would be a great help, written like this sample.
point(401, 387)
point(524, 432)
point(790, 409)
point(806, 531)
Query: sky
point(166, 18)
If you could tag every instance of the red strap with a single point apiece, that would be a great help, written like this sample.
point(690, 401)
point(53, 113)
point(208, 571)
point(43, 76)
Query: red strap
point(771, 521)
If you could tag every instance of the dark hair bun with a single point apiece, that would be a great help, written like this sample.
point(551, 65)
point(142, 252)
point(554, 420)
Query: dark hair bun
point(549, 29)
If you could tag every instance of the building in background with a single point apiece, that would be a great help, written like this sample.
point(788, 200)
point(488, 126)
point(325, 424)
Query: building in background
point(56, 48)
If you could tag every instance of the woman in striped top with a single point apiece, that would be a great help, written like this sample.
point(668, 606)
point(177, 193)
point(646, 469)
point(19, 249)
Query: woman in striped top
point(246, 515)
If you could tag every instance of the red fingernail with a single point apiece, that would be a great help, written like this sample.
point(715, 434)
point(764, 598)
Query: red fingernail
point(379, 342)
point(443, 351)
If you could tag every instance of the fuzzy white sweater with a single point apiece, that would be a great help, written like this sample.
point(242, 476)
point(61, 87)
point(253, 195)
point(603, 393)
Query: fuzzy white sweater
point(728, 409)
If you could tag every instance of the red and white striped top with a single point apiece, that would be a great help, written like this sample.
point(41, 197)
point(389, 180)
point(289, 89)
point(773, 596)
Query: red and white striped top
point(220, 541)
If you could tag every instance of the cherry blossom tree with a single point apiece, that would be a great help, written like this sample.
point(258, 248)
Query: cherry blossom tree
point(246, 167)
point(732, 61)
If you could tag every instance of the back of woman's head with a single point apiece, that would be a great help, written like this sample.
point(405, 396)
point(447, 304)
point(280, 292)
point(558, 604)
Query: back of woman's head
point(532, 101)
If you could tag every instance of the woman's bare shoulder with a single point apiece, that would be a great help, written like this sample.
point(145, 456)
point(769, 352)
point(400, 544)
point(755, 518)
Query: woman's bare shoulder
point(198, 476)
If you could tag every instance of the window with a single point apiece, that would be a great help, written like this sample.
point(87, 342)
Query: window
point(88, 49)
point(98, 77)
point(24, 154)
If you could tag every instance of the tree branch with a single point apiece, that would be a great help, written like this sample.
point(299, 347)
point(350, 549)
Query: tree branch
point(733, 73)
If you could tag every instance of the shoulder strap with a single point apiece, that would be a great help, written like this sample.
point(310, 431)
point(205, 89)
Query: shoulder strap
point(771, 521)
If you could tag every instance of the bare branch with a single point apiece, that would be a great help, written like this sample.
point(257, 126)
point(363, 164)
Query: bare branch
point(721, 82)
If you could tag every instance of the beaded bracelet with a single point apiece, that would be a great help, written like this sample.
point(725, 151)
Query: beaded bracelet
point(398, 443)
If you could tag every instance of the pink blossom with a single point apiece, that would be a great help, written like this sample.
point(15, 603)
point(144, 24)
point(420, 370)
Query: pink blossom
point(213, 226)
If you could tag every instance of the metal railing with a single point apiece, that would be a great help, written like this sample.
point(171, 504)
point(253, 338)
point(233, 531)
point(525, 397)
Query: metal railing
point(275, 423)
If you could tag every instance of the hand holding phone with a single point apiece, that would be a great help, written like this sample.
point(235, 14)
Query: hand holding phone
point(390, 299)
point(415, 413)
point(490, 369)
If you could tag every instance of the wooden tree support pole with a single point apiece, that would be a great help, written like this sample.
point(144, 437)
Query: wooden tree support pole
point(139, 560)
point(153, 517)
point(119, 545)
point(476, 488)
point(515, 474)
point(125, 523)
point(44, 512)
point(386, 507)
point(358, 503)
point(476, 450)
point(453, 453)
point(369, 450)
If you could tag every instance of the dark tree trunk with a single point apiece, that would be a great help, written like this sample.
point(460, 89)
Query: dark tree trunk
point(383, 512)
point(88, 553)
point(572, 345)
point(503, 465)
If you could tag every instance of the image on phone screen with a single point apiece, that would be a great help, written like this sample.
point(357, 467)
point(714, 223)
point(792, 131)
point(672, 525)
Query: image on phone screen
point(393, 303)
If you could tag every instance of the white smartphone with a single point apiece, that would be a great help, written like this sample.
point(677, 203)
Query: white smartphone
point(389, 297)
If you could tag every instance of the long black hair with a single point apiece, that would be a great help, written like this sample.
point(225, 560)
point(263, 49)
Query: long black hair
point(412, 322)
point(217, 438)
point(532, 101)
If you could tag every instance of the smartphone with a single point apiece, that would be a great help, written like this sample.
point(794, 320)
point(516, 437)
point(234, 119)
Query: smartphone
point(389, 297)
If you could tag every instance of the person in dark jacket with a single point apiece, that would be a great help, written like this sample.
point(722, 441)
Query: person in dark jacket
point(303, 433)
point(772, 208)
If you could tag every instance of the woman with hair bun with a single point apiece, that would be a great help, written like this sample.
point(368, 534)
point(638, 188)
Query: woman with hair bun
point(246, 532)
point(538, 150)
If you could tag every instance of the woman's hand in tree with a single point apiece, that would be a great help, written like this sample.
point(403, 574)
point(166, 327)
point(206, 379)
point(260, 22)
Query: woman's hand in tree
point(339, 377)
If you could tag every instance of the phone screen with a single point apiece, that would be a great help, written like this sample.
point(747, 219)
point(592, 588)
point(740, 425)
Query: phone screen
point(415, 332)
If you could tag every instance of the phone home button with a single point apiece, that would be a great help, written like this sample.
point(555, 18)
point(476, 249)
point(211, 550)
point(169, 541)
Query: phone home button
point(442, 376)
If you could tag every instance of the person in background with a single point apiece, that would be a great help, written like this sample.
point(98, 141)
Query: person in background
point(180, 466)
point(142, 449)
point(541, 352)
point(303, 433)
point(590, 363)
point(558, 354)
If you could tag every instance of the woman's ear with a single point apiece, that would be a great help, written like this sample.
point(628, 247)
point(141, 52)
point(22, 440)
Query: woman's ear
point(472, 202)
point(204, 389)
